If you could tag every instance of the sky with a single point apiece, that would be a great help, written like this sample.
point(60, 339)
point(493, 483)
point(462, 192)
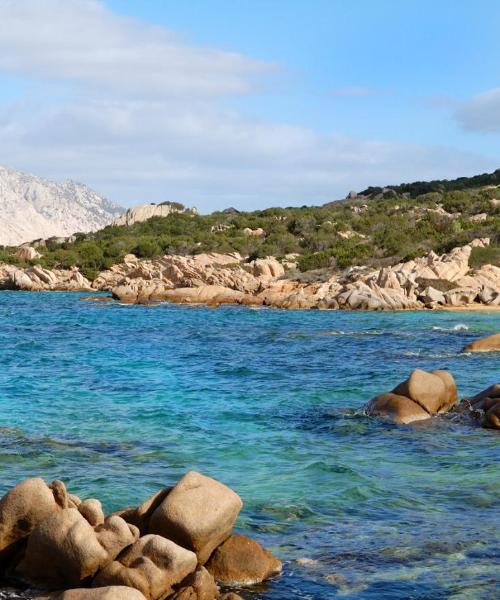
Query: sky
point(248, 103)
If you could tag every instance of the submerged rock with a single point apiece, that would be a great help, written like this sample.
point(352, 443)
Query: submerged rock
point(417, 398)
point(485, 407)
point(490, 343)
point(242, 561)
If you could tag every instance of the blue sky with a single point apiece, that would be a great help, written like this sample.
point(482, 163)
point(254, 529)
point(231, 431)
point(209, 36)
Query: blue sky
point(248, 103)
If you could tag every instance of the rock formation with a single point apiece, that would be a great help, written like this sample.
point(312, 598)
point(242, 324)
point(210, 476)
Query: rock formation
point(484, 407)
point(490, 343)
point(429, 282)
point(54, 540)
point(142, 213)
point(418, 398)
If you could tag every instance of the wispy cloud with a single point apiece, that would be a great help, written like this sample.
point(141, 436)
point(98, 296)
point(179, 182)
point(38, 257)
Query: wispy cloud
point(354, 92)
point(83, 42)
point(481, 113)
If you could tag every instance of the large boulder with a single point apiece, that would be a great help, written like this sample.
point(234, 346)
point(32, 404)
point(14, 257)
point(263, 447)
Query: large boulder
point(64, 549)
point(199, 514)
point(153, 565)
point(396, 408)
point(26, 505)
point(140, 515)
point(417, 398)
point(490, 343)
point(199, 585)
point(435, 392)
point(242, 561)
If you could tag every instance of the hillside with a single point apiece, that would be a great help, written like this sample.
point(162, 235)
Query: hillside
point(375, 232)
point(32, 207)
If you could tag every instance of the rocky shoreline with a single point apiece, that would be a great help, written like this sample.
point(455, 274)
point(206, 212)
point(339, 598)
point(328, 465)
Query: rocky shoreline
point(178, 544)
point(430, 282)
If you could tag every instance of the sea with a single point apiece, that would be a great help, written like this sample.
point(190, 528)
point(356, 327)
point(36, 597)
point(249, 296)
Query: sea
point(120, 401)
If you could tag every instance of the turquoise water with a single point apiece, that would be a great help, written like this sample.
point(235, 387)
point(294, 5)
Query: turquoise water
point(119, 401)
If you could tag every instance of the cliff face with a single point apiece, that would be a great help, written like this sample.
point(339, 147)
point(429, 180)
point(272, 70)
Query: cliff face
point(32, 207)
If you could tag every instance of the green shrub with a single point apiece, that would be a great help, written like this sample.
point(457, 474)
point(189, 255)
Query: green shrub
point(484, 256)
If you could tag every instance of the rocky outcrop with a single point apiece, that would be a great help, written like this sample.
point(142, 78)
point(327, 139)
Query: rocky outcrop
point(242, 561)
point(490, 343)
point(24, 507)
point(153, 565)
point(38, 279)
point(199, 585)
point(142, 213)
point(214, 279)
point(57, 541)
point(64, 549)
point(199, 514)
point(484, 407)
point(430, 282)
point(417, 398)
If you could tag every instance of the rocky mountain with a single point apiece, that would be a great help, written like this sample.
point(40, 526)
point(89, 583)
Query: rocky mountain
point(32, 207)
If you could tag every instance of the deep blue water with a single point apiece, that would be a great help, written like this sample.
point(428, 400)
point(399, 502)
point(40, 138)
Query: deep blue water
point(119, 401)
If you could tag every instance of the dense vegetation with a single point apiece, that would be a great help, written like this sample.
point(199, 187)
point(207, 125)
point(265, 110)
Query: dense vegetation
point(379, 231)
point(418, 188)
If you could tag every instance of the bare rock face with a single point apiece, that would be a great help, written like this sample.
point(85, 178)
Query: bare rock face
point(199, 585)
point(104, 593)
point(91, 509)
point(142, 213)
point(242, 561)
point(32, 207)
point(37, 279)
point(490, 343)
point(141, 515)
point(418, 398)
point(198, 514)
point(24, 507)
point(267, 267)
point(153, 565)
point(64, 549)
point(28, 253)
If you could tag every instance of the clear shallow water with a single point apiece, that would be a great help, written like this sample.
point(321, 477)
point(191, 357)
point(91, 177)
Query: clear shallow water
point(119, 401)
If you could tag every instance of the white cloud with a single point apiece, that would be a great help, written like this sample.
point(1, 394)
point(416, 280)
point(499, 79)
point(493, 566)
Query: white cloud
point(142, 116)
point(144, 151)
point(481, 113)
point(84, 42)
point(353, 92)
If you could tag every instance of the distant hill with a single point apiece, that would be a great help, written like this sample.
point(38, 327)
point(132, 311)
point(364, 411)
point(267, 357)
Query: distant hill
point(362, 230)
point(418, 188)
point(32, 207)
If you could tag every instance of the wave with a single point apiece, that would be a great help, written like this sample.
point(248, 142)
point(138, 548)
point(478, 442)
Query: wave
point(457, 327)
point(411, 354)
